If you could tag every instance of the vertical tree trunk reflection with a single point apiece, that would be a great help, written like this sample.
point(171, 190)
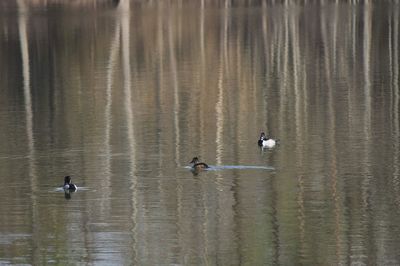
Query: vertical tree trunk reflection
point(23, 38)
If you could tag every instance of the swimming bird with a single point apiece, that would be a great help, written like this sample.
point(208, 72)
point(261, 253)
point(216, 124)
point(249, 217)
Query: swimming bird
point(68, 185)
point(266, 142)
point(197, 165)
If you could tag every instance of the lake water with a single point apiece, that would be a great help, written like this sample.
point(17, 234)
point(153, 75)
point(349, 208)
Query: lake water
point(122, 97)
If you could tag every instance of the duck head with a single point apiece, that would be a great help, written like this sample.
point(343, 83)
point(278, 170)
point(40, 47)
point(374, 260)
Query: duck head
point(67, 180)
point(195, 160)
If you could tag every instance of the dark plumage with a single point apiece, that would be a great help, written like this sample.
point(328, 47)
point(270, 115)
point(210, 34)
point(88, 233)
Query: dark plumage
point(197, 165)
point(262, 138)
point(68, 185)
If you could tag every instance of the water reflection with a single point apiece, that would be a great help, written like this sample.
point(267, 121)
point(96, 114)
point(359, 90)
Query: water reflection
point(122, 95)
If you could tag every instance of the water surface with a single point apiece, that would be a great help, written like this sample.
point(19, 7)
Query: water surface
point(122, 97)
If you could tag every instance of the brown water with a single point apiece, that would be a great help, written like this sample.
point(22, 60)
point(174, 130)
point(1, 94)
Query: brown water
point(123, 97)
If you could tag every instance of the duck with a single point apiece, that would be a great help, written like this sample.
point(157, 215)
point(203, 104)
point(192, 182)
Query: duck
point(68, 186)
point(197, 165)
point(266, 142)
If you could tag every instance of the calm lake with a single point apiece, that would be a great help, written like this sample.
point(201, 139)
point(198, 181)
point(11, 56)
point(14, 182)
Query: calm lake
point(122, 95)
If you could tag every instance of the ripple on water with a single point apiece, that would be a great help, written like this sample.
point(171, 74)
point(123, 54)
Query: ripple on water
point(242, 167)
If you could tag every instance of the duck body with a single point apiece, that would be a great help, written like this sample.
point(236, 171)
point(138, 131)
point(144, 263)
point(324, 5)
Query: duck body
point(68, 185)
point(269, 143)
point(197, 165)
point(200, 166)
point(266, 142)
